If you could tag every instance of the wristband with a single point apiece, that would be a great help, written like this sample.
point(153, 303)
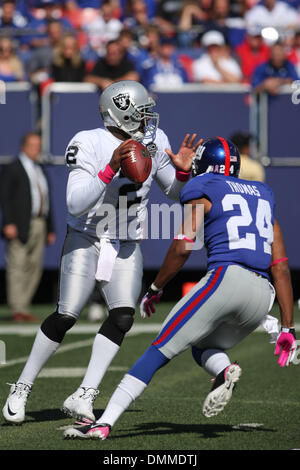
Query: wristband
point(182, 175)
point(291, 330)
point(154, 288)
point(107, 174)
point(181, 236)
point(278, 261)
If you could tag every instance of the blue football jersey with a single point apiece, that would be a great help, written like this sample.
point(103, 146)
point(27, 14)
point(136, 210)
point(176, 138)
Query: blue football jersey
point(239, 227)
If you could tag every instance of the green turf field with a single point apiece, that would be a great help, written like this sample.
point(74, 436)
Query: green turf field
point(263, 414)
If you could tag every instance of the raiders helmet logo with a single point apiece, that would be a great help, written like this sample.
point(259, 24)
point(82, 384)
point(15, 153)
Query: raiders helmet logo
point(122, 101)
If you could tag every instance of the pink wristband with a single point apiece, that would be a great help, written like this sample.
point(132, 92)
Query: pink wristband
point(106, 175)
point(183, 175)
point(183, 237)
point(278, 261)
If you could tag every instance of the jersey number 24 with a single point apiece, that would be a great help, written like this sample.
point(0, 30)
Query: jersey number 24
point(263, 222)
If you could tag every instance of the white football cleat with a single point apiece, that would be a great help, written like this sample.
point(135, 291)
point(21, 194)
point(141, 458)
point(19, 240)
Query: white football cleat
point(79, 405)
point(14, 408)
point(221, 391)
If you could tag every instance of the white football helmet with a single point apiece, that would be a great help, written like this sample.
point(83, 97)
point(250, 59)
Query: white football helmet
point(126, 105)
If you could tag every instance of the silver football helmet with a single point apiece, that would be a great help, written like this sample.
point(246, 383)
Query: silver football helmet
point(126, 105)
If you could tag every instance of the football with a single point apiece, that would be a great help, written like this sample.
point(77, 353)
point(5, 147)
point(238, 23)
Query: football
point(137, 166)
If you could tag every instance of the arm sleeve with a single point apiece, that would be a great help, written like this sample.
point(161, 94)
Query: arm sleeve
point(84, 186)
point(83, 191)
point(166, 174)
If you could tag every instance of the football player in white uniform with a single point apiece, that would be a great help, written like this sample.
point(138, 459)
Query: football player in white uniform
point(101, 243)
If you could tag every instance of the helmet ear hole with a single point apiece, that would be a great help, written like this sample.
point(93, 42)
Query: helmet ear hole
point(126, 118)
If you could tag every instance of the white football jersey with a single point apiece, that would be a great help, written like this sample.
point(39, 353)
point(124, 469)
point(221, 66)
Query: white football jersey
point(115, 210)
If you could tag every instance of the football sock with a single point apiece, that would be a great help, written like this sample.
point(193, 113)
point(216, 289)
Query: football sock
point(146, 366)
point(103, 352)
point(214, 361)
point(43, 348)
point(127, 391)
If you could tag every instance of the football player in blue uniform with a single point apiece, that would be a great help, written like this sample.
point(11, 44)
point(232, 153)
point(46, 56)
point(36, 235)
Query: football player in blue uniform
point(243, 243)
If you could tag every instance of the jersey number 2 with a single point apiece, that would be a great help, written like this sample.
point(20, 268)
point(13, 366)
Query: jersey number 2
point(72, 151)
point(263, 223)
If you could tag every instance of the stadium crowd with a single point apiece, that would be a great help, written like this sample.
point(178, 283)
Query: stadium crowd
point(158, 42)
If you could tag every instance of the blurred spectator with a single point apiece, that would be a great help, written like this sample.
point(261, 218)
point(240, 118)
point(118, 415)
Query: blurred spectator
point(151, 40)
point(167, 15)
point(105, 28)
point(216, 65)
point(219, 16)
point(252, 52)
point(274, 73)
point(25, 203)
point(190, 23)
point(113, 67)
point(191, 14)
point(12, 22)
point(135, 54)
point(272, 13)
point(39, 66)
point(227, 17)
point(68, 66)
point(150, 5)
point(51, 10)
point(250, 169)
point(11, 67)
point(165, 70)
point(24, 7)
point(138, 15)
point(294, 54)
point(10, 17)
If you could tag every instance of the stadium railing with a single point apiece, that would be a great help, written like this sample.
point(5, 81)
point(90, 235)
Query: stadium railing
point(278, 121)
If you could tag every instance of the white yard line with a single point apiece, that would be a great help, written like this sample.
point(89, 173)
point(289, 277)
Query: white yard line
point(87, 328)
point(62, 349)
point(30, 330)
point(79, 329)
point(53, 372)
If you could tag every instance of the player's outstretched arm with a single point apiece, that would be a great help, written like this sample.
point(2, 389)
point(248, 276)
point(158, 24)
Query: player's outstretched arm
point(282, 278)
point(286, 344)
point(177, 255)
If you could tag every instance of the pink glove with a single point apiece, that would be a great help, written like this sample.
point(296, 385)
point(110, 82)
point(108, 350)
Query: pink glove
point(287, 341)
point(152, 296)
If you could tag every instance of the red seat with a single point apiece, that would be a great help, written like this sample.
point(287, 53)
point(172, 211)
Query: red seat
point(82, 16)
